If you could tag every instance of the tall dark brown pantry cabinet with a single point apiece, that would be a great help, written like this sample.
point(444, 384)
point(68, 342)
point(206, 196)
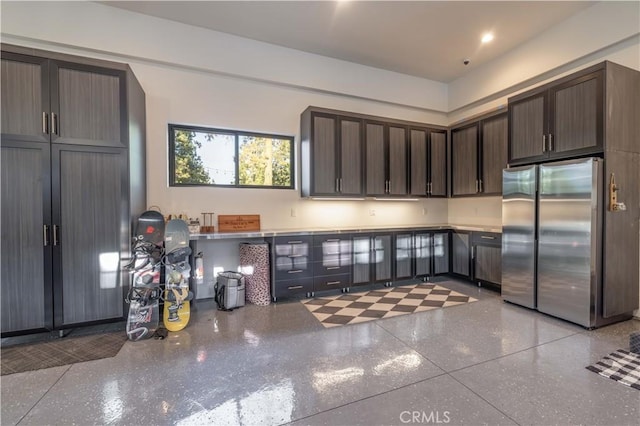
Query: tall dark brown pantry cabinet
point(73, 176)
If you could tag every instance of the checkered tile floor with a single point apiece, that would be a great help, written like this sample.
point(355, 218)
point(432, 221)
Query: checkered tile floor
point(353, 308)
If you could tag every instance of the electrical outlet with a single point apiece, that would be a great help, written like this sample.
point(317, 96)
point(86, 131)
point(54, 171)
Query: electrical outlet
point(294, 213)
point(372, 212)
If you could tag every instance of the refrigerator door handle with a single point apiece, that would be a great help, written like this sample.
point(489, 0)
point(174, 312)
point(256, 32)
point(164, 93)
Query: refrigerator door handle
point(544, 143)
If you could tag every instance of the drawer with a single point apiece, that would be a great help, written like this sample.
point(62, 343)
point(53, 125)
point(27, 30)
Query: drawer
point(331, 282)
point(319, 239)
point(292, 287)
point(292, 267)
point(486, 238)
point(297, 245)
point(332, 266)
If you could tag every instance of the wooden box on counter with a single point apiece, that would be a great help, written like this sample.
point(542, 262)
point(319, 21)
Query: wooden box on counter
point(238, 223)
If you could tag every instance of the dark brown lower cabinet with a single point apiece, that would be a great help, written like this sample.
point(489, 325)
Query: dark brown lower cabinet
point(487, 257)
point(421, 254)
point(461, 253)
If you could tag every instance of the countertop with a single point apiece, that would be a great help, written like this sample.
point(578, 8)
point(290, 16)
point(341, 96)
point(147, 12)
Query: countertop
point(339, 230)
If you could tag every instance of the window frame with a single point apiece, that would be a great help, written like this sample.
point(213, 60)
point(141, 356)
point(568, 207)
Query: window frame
point(237, 134)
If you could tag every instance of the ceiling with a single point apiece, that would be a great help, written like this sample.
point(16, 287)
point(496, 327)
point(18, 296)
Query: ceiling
point(428, 39)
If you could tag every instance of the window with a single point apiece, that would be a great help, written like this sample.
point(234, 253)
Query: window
point(200, 156)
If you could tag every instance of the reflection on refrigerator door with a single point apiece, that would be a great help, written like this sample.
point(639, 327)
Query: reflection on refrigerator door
point(567, 242)
point(519, 235)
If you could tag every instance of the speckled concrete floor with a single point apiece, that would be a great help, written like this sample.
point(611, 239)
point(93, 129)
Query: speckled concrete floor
point(487, 362)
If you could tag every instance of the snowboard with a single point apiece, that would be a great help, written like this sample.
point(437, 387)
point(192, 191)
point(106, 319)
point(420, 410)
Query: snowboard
point(177, 309)
point(144, 292)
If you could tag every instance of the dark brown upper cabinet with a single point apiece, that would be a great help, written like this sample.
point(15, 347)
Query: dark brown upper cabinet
point(63, 102)
point(428, 162)
point(559, 120)
point(494, 139)
point(332, 159)
point(478, 155)
point(386, 158)
point(351, 155)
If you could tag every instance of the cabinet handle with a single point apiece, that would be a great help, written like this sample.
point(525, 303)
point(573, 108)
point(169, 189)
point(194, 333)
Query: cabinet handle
point(473, 252)
point(294, 271)
point(332, 240)
point(340, 185)
point(333, 282)
point(487, 237)
point(54, 123)
point(430, 188)
point(337, 185)
point(55, 235)
point(332, 267)
point(294, 287)
point(551, 147)
point(294, 242)
point(295, 255)
point(45, 123)
point(544, 143)
point(481, 186)
point(477, 189)
point(45, 235)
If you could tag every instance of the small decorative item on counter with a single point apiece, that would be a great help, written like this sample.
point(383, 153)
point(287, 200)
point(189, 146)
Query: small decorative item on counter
point(207, 226)
point(194, 225)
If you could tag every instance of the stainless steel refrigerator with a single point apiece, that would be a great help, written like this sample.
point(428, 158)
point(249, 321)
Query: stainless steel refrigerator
point(552, 217)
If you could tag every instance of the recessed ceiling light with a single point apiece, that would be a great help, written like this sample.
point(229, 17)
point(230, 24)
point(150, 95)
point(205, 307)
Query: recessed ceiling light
point(486, 38)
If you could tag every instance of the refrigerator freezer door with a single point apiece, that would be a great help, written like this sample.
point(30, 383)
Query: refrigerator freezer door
point(519, 235)
point(567, 240)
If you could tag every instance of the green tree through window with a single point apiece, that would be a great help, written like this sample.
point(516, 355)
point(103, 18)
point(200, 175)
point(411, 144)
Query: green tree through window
point(265, 161)
point(188, 164)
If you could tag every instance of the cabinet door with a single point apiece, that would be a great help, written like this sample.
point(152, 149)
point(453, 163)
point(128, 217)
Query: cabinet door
point(576, 116)
point(350, 157)
point(324, 155)
point(464, 159)
point(494, 153)
point(88, 105)
point(26, 243)
point(404, 255)
point(419, 181)
point(25, 97)
point(375, 155)
point(362, 260)
point(441, 252)
point(90, 210)
point(438, 164)
point(383, 257)
point(488, 264)
point(422, 253)
point(527, 127)
point(397, 160)
point(461, 253)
